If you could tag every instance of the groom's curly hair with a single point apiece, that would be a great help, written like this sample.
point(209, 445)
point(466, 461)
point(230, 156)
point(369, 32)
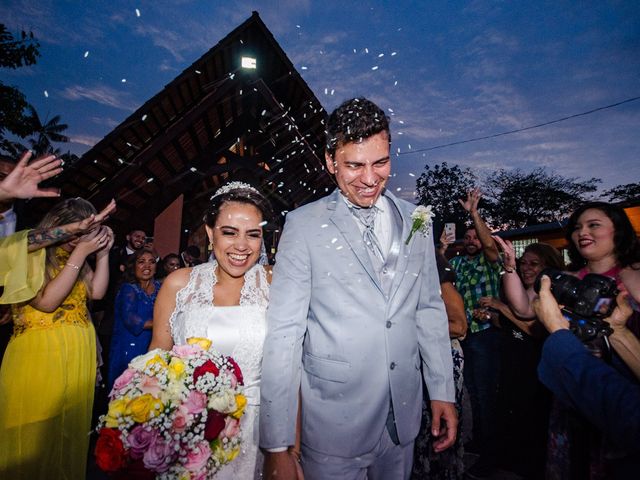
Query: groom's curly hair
point(354, 121)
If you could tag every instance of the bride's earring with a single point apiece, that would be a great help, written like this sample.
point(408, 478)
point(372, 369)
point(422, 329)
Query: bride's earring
point(210, 246)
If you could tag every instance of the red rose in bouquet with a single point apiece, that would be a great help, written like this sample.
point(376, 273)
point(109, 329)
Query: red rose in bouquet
point(236, 370)
point(215, 424)
point(110, 455)
point(173, 414)
point(206, 367)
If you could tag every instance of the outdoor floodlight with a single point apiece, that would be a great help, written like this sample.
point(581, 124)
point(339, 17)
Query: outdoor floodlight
point(249, 63)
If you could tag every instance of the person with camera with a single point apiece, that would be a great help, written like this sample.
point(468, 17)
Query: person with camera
point(601, 241)
point(605, 397)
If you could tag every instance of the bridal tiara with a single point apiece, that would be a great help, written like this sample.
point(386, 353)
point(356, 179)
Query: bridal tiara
point(234, 186)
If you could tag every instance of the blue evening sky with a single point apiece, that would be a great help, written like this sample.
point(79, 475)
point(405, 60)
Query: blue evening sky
point(445, 70)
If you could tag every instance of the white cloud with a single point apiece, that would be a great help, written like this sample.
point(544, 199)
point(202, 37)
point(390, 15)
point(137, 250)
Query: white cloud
point(101, 94)
point(88, 140)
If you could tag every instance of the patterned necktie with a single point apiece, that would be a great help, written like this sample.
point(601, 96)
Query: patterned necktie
point(367, 217)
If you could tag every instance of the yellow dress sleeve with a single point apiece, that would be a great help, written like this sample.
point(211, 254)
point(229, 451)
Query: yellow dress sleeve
point(21, 272)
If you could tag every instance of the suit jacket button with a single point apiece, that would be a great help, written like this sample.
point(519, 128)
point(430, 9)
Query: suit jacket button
point(388, 323)
point(385, 271)
point(393, 365)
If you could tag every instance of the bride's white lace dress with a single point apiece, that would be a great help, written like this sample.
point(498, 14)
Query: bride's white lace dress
point(237, 331)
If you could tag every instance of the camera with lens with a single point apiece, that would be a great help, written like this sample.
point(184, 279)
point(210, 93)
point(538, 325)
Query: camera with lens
point(586, 303)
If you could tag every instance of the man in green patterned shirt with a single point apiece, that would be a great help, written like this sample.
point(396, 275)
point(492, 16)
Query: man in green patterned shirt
point(478, 275)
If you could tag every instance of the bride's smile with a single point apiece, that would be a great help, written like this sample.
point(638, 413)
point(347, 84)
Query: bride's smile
point(236, 238)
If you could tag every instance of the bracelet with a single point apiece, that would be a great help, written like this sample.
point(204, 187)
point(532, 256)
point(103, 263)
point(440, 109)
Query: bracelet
point(72, 265)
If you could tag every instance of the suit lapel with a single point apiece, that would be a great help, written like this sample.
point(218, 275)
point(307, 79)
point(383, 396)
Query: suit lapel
point(345, 223)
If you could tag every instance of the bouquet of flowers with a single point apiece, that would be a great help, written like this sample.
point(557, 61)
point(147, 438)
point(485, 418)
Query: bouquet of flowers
point(173, 414)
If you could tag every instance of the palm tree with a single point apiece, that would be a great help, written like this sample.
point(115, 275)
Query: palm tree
point(45, 134)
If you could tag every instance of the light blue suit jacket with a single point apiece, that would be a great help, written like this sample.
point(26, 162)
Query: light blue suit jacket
point(349, 345)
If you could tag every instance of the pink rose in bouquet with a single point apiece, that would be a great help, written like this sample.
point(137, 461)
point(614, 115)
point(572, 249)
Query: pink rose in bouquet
point(198, 457)
point(169, 411)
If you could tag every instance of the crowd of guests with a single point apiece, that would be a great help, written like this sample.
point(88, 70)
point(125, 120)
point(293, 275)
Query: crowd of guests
point(519, 425)
point(529, 396)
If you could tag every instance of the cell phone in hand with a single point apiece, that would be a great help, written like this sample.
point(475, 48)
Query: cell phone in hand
point(450, 232)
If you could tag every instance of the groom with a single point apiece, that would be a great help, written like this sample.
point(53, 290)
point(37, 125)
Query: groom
point(354, 312)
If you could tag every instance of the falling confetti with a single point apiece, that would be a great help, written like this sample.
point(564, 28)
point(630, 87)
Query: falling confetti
point(137, 12)
point(144, 117)
point(393, 54)
point(86, 54)
point(374, 68)
point(46, 94)
point(380, 55)
point(124, 80)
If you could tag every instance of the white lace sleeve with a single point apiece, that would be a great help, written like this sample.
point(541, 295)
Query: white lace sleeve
point(255, 290)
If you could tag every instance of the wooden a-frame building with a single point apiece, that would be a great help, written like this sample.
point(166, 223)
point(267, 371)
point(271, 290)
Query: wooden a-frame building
point(216, 121)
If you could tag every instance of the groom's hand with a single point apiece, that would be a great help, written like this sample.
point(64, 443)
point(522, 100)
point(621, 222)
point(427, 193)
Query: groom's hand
point(444, 424)
point(280, 466)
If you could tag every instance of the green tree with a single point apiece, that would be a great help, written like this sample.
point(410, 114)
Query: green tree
point(45, 133)
point(518, 199)
point(441, 186)
point(624, 193)
point(14, 53)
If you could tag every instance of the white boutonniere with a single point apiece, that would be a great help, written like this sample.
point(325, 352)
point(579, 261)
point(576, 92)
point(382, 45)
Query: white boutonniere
point(422, 217)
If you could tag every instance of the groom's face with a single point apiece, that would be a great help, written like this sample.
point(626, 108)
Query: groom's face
point(362, 168)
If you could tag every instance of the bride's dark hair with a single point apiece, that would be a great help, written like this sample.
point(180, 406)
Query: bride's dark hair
point(248, 195)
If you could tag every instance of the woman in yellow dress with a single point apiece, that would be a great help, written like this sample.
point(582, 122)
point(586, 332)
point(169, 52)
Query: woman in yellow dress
point(48, 373)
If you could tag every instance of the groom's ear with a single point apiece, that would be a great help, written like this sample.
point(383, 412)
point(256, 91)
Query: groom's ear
point(331, 163)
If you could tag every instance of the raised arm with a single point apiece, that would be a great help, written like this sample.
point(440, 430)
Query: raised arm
point(54, 292)
point(518, 298)
point(100, 279)
point(484, 234)
point(23, 180)
point(44, 237)
point(445, 241)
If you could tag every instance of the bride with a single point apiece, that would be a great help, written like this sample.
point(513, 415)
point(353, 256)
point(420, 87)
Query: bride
point(225, 301)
